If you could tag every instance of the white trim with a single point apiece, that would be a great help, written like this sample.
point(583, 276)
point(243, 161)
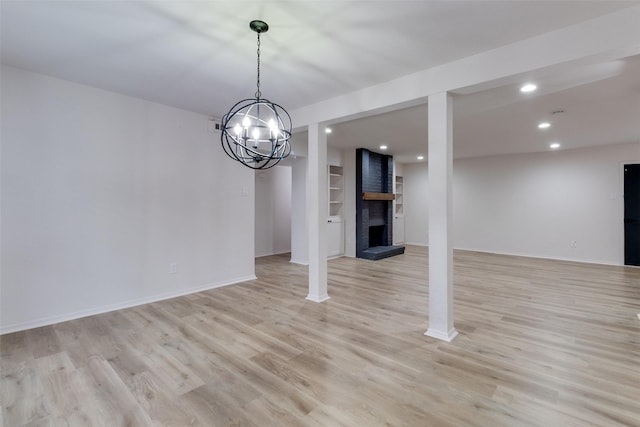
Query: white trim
point(444, 336)
point(583, 261)
point(46, 321)
point(321, 298)
point(275, 253)
point(424, 245)
point(299, 261)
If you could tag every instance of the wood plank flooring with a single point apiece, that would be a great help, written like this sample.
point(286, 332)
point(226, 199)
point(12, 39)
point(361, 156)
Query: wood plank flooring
point(542, 343)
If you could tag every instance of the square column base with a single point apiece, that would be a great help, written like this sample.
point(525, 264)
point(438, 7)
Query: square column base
point(317, 298)
point(444, 336)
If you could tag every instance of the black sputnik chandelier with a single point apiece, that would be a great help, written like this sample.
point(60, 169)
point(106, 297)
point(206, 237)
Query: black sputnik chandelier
point(256, 131)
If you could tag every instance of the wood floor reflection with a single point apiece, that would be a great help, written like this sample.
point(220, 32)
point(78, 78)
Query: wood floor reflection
point(542, 343)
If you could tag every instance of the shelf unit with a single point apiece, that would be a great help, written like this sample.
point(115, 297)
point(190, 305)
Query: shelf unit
point(336, 191)
point(399, 209)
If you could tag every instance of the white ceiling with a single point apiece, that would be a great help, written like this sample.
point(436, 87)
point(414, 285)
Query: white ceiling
point(589, 106)
point(200, 56)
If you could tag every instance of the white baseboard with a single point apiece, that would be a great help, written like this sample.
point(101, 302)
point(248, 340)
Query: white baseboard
point(46, 321)
point(299, 261)
point(274, 253)
point(527, 255)
point(424, 245)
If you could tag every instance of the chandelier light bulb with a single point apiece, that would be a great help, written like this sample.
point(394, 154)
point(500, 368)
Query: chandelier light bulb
point(273, 129)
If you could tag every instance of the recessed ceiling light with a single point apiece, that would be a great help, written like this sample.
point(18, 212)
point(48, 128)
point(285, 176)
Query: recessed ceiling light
point(420, 157)
point(383, 147)
point(529, 87)
point(544, 125)
point(554, 145)
point(327, 130)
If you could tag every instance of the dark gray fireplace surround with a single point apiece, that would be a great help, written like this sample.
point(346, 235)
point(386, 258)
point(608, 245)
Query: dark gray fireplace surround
point(374, 218)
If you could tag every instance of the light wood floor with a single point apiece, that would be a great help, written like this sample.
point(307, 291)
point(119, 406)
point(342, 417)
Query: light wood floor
point(542, 343)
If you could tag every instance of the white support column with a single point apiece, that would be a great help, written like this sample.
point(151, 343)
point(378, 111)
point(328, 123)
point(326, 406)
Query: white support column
point(299, 241)
point(440, 218)
point(317, 213)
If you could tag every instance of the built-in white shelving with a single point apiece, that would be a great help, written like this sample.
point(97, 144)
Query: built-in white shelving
point(399, 195)
point(398, 217)
point(336, 191)
point(335, 226)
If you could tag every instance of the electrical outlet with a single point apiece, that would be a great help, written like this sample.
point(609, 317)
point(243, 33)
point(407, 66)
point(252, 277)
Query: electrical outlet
point(574, 243)
point(173, 268)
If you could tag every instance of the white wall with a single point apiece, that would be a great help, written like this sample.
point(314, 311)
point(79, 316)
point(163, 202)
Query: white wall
point(299, 245)
point(101, 192)
point(534, 204)
point(273, 211)
point(416, 218)
point(334, 156)
point(349, 208)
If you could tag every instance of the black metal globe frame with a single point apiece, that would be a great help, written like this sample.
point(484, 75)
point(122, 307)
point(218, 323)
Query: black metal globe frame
point(256, 131)
point(261, 145)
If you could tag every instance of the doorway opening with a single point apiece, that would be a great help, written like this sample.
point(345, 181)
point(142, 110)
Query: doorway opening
point(632, 214)
point(273, 211)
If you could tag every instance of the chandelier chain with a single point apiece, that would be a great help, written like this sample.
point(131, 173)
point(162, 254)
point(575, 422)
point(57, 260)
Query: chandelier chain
point(258, 93)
